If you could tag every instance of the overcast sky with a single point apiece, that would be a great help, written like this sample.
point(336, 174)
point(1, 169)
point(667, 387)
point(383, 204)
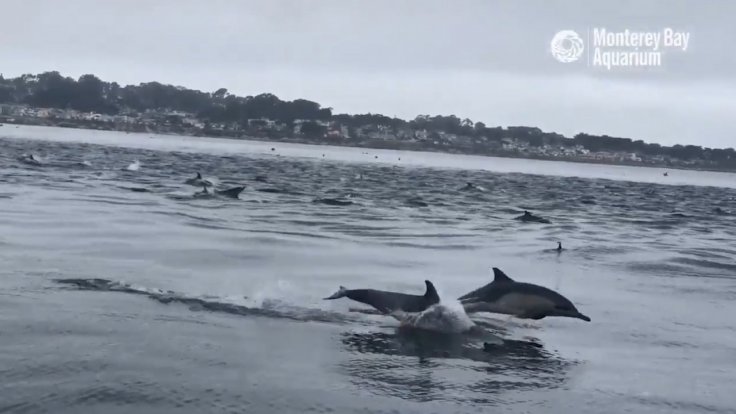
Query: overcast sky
point(486, 60)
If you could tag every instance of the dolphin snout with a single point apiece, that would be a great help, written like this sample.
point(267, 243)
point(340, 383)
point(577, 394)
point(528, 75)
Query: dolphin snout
point(583, 317)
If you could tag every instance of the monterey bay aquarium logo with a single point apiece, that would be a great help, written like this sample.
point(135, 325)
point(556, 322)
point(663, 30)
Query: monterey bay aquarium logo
point(613, 49)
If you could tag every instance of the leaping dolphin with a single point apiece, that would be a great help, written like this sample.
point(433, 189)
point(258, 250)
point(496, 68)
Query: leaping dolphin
point(388, 302)
point(523, 300)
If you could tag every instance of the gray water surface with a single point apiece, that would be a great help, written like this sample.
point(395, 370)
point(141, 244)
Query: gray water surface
point(121, 291)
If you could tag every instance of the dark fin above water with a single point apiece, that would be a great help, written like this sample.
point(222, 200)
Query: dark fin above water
point(199, 176)
point(499, 276)
point(431, 293)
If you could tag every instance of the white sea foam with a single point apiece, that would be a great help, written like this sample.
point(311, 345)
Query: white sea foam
point(446, 317)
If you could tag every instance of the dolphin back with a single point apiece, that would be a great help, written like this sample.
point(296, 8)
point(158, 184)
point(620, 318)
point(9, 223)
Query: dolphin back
point(231, 192)
point(387, 302)
point(483, 293)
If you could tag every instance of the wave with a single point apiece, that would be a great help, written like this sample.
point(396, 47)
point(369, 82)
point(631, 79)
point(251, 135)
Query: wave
point(448, 318)
point(444, 318)
point(271, 308)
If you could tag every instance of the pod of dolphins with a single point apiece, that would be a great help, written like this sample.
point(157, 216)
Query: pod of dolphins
point(503, 295)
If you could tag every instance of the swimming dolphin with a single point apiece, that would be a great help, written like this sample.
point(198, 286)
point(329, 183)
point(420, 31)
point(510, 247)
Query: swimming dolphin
point(333, 201)
point(557, 249)
point(472, 187)
point(198, 181)
point(231, 192)
point(523, 300)
point(31, 159)
point(388, 302)
point(529, 217)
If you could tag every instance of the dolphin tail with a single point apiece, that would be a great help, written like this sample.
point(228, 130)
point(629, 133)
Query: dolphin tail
point(341, 293)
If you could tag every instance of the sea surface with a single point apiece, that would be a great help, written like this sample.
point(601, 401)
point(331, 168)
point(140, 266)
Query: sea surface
point(124, 290)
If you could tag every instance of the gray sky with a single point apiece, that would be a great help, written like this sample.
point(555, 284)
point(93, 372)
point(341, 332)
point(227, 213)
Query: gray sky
point(486, 60)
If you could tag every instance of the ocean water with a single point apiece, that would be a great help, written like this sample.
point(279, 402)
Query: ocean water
point(122, 290)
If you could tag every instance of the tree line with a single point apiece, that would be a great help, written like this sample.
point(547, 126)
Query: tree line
point(90, 94)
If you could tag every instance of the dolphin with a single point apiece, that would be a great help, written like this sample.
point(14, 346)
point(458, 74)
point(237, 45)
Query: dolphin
point(523, 300)
point(333, 201)
point(389, 302)
point(472, 187)
point(198, 181)
point(529, 217)
point(231, 192)
point(31, 159)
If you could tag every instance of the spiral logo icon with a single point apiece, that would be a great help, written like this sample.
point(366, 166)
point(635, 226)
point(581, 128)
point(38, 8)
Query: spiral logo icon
point(566, 46)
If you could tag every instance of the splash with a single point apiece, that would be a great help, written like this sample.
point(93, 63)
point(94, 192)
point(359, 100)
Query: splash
point(444, 317)
point(261, 306)
point(134, 166)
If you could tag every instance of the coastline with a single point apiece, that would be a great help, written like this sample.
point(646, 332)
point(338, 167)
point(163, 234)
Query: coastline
point(366, 144)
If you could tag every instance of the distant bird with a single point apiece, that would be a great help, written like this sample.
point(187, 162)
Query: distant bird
point(665, 174)
point(273, 149)
point(559, 246)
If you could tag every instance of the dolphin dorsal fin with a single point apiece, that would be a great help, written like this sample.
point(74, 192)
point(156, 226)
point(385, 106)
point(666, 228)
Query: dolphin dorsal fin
point(431, 292)
point(199, 176)
point(499, 276)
